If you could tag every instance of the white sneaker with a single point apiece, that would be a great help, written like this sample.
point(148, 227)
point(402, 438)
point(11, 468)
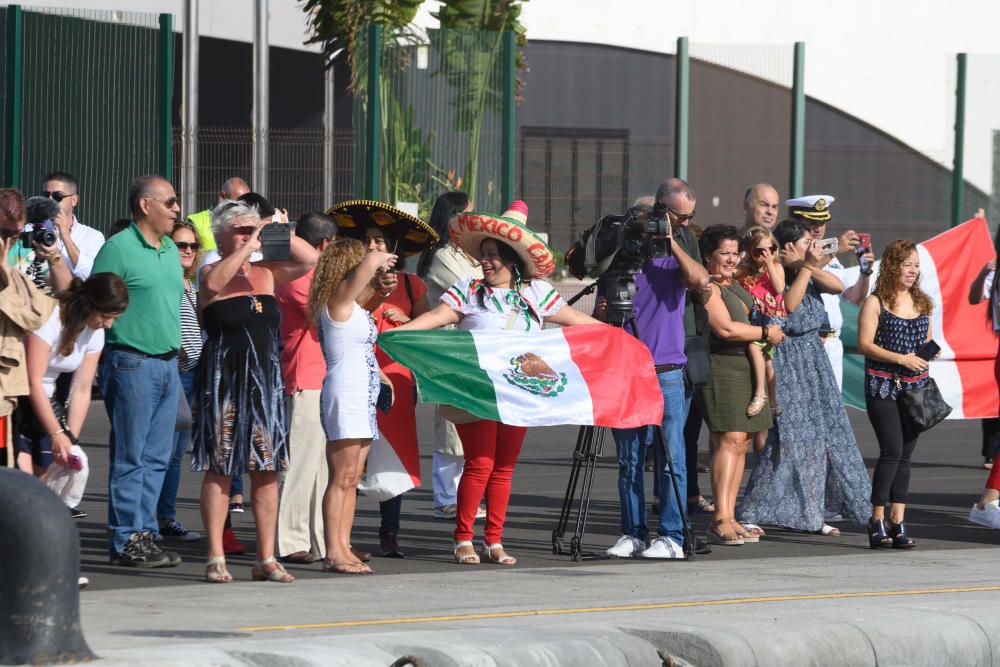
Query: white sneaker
point(626, 547)
point(989, 516)
point(663, 547)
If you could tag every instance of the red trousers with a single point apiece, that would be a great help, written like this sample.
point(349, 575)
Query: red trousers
point(491, 449)
point(993, 481)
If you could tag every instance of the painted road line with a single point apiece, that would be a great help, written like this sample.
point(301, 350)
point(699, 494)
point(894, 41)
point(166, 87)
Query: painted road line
point(628, 607)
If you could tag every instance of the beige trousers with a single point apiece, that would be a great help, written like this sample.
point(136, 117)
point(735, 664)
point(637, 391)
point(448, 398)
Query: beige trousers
point(300, 512)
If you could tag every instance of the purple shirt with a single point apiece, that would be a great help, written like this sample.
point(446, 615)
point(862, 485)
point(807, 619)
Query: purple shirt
point(659, 309)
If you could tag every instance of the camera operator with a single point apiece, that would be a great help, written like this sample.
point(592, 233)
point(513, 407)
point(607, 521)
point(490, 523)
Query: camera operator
point(35, 253)
point(78, 243)
point(660, 298)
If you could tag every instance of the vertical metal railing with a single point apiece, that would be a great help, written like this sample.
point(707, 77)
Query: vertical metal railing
point(165, 97)
point(682, 99)
point(958, 164)
point(12, 122)
point(798, 154)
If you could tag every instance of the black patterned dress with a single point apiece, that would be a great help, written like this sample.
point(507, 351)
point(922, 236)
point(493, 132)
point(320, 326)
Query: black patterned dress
point(239, 410)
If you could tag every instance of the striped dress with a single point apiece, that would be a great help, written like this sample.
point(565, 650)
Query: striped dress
point(191, 338)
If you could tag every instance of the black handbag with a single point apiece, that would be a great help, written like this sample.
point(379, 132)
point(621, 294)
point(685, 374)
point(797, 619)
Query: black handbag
point(923, 407)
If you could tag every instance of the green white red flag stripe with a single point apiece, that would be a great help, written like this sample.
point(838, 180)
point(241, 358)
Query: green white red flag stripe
point(586, 375)
point(964, 372)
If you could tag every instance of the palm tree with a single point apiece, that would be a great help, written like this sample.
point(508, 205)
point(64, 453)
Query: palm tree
point(471, 45)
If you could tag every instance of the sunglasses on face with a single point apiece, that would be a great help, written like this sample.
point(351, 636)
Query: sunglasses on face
point(56, 195)
point(246, 230)
point(759, 252)
point(184, 246)
point(681, 218)
point(169, 203)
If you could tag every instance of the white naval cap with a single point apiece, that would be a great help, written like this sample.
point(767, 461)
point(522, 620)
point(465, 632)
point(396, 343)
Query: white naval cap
point(811, 208)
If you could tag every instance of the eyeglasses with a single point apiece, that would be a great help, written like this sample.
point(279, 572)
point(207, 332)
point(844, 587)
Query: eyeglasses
point(759, 252)
point(681, 218)
point(246, 230)
point(56, 195)
point(169, 203)
point(183, 246)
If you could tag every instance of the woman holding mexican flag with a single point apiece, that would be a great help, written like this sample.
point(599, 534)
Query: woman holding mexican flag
point(510, 297)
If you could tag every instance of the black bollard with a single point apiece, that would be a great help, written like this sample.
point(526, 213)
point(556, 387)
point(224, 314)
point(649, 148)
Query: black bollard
point(39, 571)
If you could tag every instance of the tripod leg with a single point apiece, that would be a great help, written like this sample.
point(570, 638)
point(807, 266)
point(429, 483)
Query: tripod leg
point(579, 456)
point(594, 452)
point(681, 505)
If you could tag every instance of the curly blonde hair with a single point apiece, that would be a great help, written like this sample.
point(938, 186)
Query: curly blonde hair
point(888, 277)
point(340, 258)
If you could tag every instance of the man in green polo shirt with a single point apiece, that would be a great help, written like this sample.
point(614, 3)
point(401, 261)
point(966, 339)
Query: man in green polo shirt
point(232, 189)
point(138, 373)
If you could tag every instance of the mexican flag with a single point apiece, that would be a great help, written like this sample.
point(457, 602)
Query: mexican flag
point(594, 374)
point(949, 263)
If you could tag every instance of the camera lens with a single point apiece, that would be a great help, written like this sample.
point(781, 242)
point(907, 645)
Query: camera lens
point(45, 237)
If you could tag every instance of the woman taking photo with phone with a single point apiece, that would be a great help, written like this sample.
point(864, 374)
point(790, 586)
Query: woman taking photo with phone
point(894, 324)
point(810, 466)
point(351, 387)
point(239, 407)
point(393, 298)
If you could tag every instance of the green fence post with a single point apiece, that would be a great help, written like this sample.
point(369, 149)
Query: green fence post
point(798, 121)
point(682, 99)
point(509, 91)
point(957, 172)
point(373, 117)
point(12, 123)
point(165, 96)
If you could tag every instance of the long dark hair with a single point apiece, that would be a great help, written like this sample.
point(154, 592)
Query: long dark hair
point(788, 231)
point(447, 206)
point(105, 293)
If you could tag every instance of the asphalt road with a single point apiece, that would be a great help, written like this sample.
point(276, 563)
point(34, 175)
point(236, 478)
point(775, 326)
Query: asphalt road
point(947, 477)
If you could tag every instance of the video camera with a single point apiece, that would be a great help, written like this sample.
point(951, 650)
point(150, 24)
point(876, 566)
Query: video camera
point(614, 250)
point(621, 243)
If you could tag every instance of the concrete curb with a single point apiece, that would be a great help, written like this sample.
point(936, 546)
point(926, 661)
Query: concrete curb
point(906, 637)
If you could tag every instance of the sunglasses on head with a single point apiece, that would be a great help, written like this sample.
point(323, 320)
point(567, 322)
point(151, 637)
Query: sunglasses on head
point(759, 252)
point(56, 195)
point(183, 245)
point(681, 218)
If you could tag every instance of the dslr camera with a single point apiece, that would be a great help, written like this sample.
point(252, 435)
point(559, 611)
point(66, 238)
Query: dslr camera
point(37, 233)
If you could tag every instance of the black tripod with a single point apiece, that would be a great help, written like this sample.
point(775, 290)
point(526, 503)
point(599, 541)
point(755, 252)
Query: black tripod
point(619, 290)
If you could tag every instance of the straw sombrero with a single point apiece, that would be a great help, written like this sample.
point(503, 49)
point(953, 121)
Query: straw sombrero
point(355, 216)
point(468, 230)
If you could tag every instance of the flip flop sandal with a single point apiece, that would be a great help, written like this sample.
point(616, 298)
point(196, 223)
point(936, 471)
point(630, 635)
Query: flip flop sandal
point(726, 540)
point(828, 531)
point(754, 528)
point(703, 505)
point(756, 405)
point(748, 536)
point(277, 575)
point(345, 567)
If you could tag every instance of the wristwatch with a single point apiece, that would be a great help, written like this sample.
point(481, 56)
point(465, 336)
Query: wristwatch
point(763, 333)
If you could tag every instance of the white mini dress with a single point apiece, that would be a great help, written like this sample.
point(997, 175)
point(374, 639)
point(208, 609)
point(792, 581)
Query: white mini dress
point(351, 385)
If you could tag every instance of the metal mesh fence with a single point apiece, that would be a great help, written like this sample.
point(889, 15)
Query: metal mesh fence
point(982, 129)
point(440, 105)
point(295, 169)
point(740, 125)
point(90, 103)
point(3, 93)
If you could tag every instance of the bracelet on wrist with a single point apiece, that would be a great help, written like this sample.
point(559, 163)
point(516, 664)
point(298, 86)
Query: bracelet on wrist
point(53, 435)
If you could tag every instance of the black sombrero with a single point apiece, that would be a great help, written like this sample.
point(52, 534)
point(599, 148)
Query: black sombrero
point(355, 216)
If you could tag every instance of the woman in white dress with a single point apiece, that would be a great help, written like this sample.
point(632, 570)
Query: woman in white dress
point(350, 388)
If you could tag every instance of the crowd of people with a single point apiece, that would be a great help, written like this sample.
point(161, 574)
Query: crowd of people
point(271, 369)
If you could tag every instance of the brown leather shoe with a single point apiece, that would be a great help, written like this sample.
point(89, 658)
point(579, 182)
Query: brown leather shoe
point(300, 557)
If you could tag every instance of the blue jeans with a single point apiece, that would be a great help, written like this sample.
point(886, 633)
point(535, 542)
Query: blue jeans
point(166, 507)
point(632, 444)
point(140, 395)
